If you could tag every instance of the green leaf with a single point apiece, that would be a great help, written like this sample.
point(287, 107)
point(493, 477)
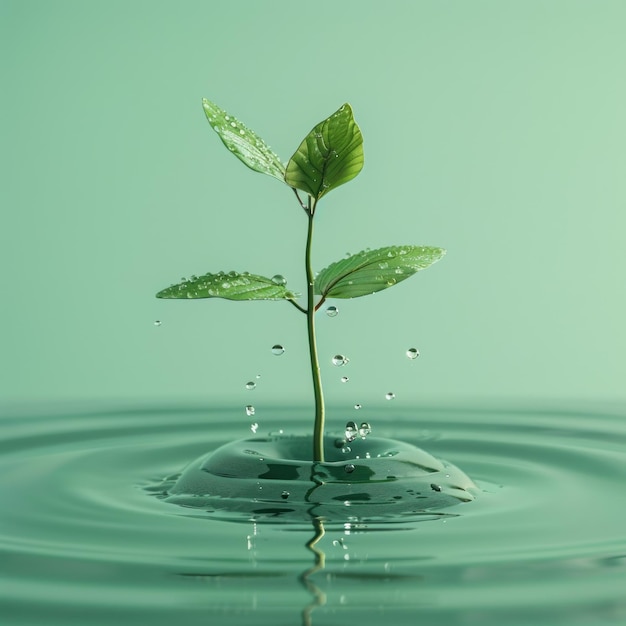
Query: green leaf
point(329, 156)
point(245, 144)
point(231, 286)
point(370, 271)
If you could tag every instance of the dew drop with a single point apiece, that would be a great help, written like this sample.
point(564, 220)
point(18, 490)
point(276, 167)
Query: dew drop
point(233, 124)
point(364, 430)
point(277, 350)
point(339, 360)
point(250, 410)
point(344, 379)
point(358, 406)
point(157, 322)
point(351, 431)
point(250, 385)
point(390, 395)
point(242, 132)
point(332, 311)
point(254, 427)
point(278, 279)
point(284, 495)
point(349, 468)
point(412, 353)
point(391, 282)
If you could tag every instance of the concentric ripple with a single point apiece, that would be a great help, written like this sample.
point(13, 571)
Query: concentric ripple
point(83, 539)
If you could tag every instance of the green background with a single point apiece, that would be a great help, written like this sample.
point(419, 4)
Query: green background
point(495, 129)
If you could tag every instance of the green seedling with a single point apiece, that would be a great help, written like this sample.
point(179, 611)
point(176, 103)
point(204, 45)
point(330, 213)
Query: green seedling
point(329, 156)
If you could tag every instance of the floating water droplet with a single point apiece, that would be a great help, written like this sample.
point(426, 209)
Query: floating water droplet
point(278, 279)
point(258, 376)
point(277, 350)
point(344, 379)
point(412, 353)
point(250, 410)
point(435, 487)
point(157, 322)
point(358, 406)
point(332, 311)
point(351, 431)
point(254, 427)
point(364, 430)
point(284, 495)
point(339, 360)
point(250, 385)
point(390, 395)
point(349, 468)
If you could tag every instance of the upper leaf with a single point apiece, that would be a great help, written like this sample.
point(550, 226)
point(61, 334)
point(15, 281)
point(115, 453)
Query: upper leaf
point(329, 156)
point(231, 286)
point(245, 144)
point(370, 271)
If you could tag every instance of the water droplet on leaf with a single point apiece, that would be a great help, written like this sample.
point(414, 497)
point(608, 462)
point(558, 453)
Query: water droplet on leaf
point(351, 431)
point(412, 353)
point(284, 495)
point(349, 468)
point(278, 279)
point(390, 395)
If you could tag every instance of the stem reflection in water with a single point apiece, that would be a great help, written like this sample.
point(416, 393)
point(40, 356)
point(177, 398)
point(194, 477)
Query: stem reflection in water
point(319, 597)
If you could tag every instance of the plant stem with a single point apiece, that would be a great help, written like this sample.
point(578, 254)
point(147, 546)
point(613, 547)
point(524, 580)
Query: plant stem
point(318, 428)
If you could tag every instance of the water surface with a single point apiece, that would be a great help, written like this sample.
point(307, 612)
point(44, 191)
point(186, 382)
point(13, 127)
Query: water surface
point(86, 538)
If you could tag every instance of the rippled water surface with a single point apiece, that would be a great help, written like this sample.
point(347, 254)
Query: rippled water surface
point(87, 538)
